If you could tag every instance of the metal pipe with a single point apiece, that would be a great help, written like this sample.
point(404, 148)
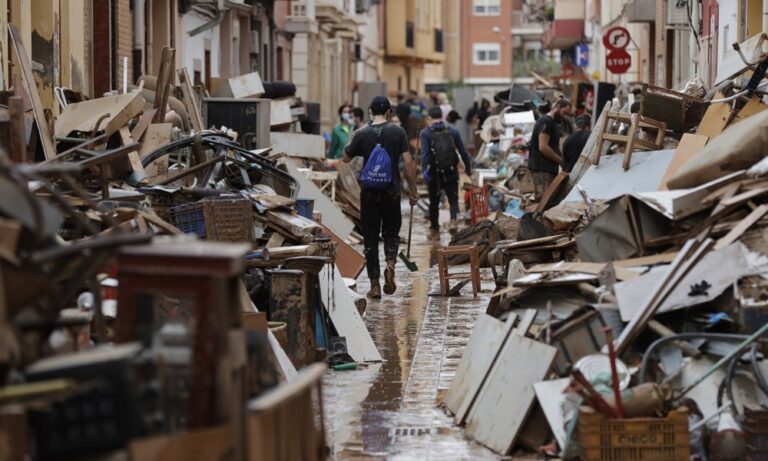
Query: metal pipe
point(138, 24)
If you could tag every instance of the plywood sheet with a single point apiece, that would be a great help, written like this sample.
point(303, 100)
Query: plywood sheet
point(349, 261)
point(690, 145)
point(551, 399)
point(345, 317)
point(332, 216)
point(505, 400)
point(609, 180)
point(109, 114)
point(298, 144)
point(486, 340)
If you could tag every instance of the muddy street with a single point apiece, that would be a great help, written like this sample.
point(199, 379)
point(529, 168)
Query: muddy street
point(389, 409)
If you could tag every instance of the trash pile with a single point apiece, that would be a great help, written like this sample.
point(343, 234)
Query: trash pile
point(167, 263)
point(630, 310)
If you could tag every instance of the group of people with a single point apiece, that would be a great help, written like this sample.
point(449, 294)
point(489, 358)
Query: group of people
point(384, 143)
point(550, 149)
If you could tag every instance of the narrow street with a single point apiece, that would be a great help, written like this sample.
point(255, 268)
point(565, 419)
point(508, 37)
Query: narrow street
point(389, 410)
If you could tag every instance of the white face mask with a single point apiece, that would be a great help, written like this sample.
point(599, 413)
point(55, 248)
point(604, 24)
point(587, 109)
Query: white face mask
point(346, 117)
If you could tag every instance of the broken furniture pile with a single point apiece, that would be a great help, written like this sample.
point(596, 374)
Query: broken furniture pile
point(629, 319)
point(159, 289)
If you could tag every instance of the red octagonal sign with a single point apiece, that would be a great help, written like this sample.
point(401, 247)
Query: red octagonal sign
point(618, 61)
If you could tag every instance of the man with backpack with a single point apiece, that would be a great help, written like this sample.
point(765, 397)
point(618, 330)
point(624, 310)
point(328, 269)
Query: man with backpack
point(441, 146)
point(381, 144)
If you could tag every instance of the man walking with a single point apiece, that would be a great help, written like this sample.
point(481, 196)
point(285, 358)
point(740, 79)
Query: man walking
point(380, 204)
point(341, 132)
point(544, 157)
point(439, 163)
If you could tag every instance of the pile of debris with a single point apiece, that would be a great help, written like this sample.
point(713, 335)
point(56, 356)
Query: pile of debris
point(167, 263)
point(629, 319)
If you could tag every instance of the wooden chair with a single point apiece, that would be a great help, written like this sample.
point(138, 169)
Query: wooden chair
point(287, 422)
point(478, 203)
point(630, 140)
point(474, 267)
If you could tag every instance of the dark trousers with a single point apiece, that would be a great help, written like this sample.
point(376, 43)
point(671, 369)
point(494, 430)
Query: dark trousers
point(451, 188)
point(380, 213)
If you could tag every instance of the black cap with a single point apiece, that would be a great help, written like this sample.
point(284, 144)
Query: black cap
point(435, 112)
point(380, 105)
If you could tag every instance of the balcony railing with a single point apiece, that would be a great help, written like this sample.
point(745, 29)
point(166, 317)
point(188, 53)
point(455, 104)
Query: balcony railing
point(522, 21)
point(439, 40)
point(543, 67)
point(409, 35)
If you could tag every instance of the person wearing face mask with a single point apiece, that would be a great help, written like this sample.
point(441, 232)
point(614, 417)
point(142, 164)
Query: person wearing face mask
point(544, 157)
point(341, 132)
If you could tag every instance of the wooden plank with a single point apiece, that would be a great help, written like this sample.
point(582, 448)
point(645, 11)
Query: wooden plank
point(275, 240)
point(49, 149)
point(107, 114)
point(157, 135)
point(141, 127)
point(505, 400)
point(195, 445)
point(18, 148)
point(332, 216)
point(188, 96)
point(714, 121)
point(551, 191)
point(551, 397)
point(345, 317)
point(164, 80)
point(690, 145)
point(349, 261)
point(298, 144)
point(742, 227)
point(138, 176)
point(488, 335)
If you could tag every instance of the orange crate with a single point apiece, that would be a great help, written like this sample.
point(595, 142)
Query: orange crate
point(636, 439)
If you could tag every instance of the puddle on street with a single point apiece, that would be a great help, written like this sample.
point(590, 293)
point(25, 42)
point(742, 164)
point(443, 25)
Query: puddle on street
point(389, 410)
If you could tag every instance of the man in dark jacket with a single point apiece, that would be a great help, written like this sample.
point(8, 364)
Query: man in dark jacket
point(439, 163)
point(575, 143)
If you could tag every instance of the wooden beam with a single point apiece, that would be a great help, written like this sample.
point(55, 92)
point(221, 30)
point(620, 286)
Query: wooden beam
point(164, 80)
point(188, 96)
point(49, 149)
point(17, 149)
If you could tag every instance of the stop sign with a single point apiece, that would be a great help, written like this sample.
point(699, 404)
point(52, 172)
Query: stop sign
point(618, 61)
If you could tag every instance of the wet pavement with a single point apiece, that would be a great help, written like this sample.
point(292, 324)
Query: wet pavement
point(389, 410)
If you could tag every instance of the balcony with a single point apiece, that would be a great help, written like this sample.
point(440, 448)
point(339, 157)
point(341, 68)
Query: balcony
point(522, 26)
point(544, 67)
point(334, 10)
point(563, 33)
point(302, 18)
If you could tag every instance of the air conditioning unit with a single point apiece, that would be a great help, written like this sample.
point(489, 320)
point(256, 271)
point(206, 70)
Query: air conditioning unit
point(677, 12)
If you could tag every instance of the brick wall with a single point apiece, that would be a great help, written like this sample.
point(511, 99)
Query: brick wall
point(124, 34)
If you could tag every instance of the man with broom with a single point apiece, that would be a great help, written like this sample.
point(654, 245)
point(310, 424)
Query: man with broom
point(381, 144)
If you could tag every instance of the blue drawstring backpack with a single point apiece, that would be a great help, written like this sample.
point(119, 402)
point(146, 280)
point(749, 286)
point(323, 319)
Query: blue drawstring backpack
point(377, 172)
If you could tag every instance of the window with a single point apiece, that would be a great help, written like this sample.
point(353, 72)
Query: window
point(486, 7)
point(486, 54)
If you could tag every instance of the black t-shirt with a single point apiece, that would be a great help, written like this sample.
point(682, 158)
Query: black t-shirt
point(391, 137)
point(536, 160)
point(573, 147)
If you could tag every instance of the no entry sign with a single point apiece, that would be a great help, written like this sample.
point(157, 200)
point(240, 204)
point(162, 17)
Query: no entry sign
point(618, 61)
point(616, 38)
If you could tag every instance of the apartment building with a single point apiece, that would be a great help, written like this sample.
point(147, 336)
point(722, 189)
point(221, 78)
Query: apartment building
point(487, 41)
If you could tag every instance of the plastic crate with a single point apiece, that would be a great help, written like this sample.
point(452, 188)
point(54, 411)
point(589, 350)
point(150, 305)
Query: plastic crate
point(162, 202)
point(226, 220)
point(636, 439)
point(755, 426)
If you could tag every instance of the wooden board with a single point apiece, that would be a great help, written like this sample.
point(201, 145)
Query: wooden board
point(332, 216)
point(109, 114)
point(190, 103)
point(551, 191)
point(164, 81)
point(341, 308)
point(156, 135)
point(280, 111)
point(551, 397)
point(713, 122)
point(196, 445)
point(505, 400)
point(349, 261)
point(690, 145)
point(22, 57)
point(298, 144)
point(486, 340)
point(742, 227)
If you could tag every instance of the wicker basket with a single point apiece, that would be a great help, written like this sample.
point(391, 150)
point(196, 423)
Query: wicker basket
point(636, 439)
point(222, 219)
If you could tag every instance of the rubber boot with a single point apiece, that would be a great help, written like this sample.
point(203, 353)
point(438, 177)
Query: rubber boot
point(389, 278)
point(375, 291)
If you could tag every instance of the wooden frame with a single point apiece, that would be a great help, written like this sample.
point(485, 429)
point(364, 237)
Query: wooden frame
point(629, 140)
